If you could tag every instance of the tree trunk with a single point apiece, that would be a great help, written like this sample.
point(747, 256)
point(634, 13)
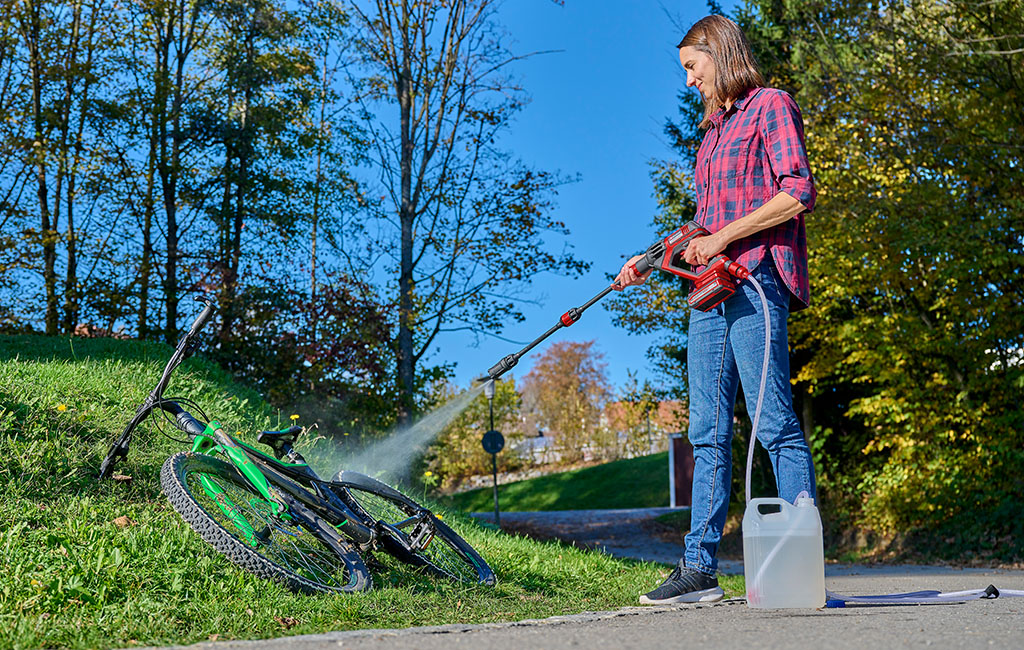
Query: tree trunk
point(48, 232)
point(172, 174)
point(156, 160)
point(808, 414)
point(148, 205)
point(72, 305)
point(406, 217)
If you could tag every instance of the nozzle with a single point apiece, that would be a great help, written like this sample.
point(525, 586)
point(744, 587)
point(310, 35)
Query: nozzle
point(489, 389)
point(503, 366)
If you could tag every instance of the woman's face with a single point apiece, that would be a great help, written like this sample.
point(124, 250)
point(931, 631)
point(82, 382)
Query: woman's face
point(700, 70)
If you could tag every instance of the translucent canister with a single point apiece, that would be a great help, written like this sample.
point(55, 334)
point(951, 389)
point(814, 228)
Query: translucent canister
point(783, 554)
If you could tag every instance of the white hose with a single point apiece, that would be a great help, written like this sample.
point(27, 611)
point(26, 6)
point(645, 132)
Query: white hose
point(753, 431)
point(764, 381)
point(834, 599)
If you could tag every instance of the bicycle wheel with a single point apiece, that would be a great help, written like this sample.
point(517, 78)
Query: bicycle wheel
point(232, 516)
point(434, 545)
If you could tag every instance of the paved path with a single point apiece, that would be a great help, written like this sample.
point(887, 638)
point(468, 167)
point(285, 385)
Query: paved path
point(995, 623)
point(731, 624)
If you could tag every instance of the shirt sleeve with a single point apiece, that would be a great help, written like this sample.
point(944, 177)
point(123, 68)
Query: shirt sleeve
point(784, 135)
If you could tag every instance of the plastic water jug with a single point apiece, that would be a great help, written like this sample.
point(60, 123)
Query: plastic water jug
point(783, 555)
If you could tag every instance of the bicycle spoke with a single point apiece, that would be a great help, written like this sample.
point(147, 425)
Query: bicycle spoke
point(438, 552)
point(301, 556)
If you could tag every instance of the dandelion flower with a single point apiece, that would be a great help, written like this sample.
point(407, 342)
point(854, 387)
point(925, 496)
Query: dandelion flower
point(294, 417)
point(428, 473)
point(62, 407)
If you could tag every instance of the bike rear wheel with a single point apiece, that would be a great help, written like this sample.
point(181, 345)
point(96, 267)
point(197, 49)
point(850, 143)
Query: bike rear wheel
point(403, 523)
point(231, 515)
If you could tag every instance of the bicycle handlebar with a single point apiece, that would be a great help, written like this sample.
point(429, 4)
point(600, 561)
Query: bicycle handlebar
point(203, 317)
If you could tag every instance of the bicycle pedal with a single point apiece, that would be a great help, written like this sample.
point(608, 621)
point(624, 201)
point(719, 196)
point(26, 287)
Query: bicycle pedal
point(421, 536)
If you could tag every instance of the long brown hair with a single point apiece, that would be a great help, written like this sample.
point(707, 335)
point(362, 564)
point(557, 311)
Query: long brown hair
point(736, 70)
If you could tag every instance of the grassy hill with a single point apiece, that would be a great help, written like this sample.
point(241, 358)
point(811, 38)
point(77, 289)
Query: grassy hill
point(631, 483)
point(73, 578)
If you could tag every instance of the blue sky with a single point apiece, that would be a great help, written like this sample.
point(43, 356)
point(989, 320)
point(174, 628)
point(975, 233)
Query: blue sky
point(598, 107)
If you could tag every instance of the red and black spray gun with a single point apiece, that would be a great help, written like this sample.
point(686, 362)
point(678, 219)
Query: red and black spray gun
point(711, 286)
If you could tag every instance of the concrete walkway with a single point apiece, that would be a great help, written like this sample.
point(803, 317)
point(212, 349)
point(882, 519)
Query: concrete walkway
point(995, 623)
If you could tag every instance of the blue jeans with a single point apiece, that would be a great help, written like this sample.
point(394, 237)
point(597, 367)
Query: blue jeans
point(726, 349)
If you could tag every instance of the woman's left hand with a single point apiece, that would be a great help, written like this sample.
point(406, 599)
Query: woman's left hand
point(701, 249)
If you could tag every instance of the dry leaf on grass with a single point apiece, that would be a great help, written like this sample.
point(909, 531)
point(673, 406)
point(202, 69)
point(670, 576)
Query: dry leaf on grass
point(287, 622)
point(124, 521)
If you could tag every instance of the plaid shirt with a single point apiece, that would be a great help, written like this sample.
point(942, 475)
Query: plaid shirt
point(748, 155)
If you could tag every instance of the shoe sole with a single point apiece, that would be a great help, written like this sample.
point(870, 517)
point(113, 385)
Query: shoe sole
point(704, 596)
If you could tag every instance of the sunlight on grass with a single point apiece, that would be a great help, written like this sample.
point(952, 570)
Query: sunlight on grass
point(75, 578)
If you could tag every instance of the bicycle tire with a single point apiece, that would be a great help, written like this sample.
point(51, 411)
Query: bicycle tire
point(296, 556)
point(374, 501)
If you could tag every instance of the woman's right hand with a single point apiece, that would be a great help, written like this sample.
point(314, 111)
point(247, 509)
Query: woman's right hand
point(628, 277)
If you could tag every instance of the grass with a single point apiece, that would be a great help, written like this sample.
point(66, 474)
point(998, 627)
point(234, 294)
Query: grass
point(73, 578)
point(631, 483)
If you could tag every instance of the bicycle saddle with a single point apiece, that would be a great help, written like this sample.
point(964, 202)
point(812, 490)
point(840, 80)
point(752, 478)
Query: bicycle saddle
point(280, 441)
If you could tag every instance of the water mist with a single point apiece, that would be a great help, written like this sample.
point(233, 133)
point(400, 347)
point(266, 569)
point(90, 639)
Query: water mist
point(391, 457)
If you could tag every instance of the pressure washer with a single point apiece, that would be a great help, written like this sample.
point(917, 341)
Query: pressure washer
point(713, 285)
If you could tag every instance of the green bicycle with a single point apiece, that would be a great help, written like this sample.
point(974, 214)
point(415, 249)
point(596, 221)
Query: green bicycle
point(273, 516)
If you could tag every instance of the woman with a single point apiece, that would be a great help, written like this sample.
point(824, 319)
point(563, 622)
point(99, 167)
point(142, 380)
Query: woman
point(753, 187)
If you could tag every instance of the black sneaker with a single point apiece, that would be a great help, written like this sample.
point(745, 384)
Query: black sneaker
point(685, 585)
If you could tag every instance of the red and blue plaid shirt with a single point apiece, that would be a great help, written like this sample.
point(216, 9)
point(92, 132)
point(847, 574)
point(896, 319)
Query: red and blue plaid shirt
point(752, 152)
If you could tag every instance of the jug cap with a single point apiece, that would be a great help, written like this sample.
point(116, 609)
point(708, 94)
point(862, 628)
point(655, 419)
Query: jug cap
point(804, 500)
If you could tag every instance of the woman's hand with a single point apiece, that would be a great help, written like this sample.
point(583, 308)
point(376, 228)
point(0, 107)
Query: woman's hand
point(628, 277)
point(701, 249)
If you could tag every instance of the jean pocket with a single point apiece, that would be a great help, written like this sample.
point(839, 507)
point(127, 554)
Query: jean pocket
point(771, 282)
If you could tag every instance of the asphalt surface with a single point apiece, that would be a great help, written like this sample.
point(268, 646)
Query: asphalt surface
point(997, 623)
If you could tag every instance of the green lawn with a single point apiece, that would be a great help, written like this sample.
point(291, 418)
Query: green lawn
point(632, 483)
point(72, 578)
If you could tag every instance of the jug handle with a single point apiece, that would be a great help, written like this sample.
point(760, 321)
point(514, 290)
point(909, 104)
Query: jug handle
point(784, 506)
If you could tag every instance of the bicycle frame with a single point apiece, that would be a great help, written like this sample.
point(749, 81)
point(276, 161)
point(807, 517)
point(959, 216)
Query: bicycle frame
point(286, 492)
point(288, 485)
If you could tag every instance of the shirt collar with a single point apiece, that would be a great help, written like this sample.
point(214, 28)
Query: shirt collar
point(739, 105)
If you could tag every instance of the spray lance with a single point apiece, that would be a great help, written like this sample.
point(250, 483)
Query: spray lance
point(712, 285)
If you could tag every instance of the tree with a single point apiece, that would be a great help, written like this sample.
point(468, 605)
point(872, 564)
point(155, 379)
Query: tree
point(265, 93)
point(463, 214)
point(639, 403)
point(168, 92)
point(565, 392)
